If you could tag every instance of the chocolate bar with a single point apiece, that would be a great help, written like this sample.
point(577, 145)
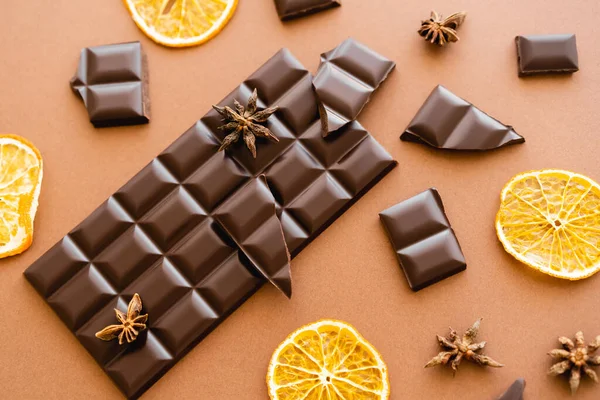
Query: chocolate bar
point(445, 121)
point(345, 80)
point(112, 82)
point(290, 9)
point(424, 242)
point(515, 391)
point(545, 54)
point(193, 232)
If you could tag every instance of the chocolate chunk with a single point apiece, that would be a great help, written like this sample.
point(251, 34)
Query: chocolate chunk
point(545, 54)
point(423, 239)
point(196, 232)
point(112, 81)
point(345, 80)
point(290, 9)
point(515, 391)
point(445, 121)
point(250, 218)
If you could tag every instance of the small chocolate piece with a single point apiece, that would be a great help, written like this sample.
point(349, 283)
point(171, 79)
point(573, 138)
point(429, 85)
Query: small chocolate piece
point(423, 239)
point(345, 80)
point(290, 9)
point(112, 81)
point(196, 232)
point(515, 391)
point(445, 121)
point(546, 54)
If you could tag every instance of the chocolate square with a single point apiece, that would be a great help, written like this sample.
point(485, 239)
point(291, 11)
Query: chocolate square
point(423, 239)
point(545, 54)
point(112, 81)
point(290, 9)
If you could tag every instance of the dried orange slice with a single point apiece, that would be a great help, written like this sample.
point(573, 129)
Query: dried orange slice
point(550, 220)
point(181, 23)
point(20, 182)
point(327, 360)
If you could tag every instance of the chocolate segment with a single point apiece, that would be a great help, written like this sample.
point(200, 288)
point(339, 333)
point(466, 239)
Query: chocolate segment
point(545, 54)
point(290, 9)
point(112, 81)
point(345, 80)
point(423, 239)
point(194, 233)
point(445, 121)
point(515, 391)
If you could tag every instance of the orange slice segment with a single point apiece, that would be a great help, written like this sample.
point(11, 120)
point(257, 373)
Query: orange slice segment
point(550, 220)
point(20, 182)
point(327, 360)
point(181, 23)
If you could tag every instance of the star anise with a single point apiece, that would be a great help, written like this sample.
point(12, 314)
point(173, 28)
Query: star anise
point(458, 348)
point(131, 324)
point(576, 357)
point(243, 121)
point(441, 31)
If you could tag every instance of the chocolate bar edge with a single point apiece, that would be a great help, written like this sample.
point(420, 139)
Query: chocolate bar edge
point(308, 11)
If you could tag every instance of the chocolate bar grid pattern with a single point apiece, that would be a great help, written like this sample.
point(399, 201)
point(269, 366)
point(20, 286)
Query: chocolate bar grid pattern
point(189, 274)
point(112, 81)
point(423, 239)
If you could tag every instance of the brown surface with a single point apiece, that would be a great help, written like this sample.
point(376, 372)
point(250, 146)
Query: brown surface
point(350, 272)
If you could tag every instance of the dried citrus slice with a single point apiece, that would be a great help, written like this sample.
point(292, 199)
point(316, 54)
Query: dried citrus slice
point(327, 360)
point(20, 181)
point(550, 220)
point(181, 23)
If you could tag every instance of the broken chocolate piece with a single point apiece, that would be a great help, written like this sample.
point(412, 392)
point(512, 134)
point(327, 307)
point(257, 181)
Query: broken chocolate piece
point(445, 121)
point(112, 81)
point(423, 239)
point(290, 9)
point(546, 54)
point(345, 80)
point(250, 218)
point(515, 391)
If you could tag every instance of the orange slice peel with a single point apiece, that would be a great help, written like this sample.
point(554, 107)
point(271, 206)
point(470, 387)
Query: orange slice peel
point(21, 173)
point(550, 221)
point(327, 360)
point(181, 23)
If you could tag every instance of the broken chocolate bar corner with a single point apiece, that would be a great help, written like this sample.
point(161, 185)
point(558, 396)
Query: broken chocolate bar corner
point(112, 82)
point(445, 121)
point(291, 9)
point(515, 391)
point(347, 77)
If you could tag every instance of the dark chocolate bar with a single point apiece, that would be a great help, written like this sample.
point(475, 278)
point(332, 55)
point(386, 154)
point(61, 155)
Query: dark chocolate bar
point(423, 239)
point(545, 54)
point(112, 81)
point(193, 232)
point(345, 80)
point(515, 391)
point(445, 121)
point(290, 9)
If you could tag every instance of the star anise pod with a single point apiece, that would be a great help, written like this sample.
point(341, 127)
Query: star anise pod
point(243, 121)
point(457, 348)
point(576, 358)
point(441, 31)
point(131, 324)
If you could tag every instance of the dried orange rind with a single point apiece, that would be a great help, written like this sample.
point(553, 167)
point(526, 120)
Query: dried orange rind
point(327, 360)
point(21, 173)
point(550, 221)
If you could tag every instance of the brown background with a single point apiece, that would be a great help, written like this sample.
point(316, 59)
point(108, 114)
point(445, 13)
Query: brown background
point(350, 271)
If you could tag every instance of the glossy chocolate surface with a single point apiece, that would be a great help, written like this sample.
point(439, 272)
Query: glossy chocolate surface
point(290, 9)
point(345, 80)
point(545, 54)
point(445, 121)
point(112, 82)
point(515, 391)
point(195, 233)
point(423, 239)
